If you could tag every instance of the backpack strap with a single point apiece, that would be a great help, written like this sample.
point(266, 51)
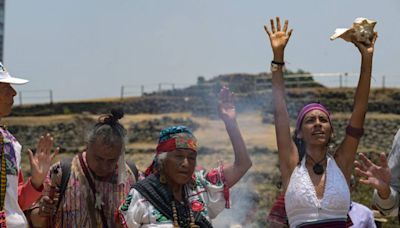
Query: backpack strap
point(66, 173)
point(133, 168)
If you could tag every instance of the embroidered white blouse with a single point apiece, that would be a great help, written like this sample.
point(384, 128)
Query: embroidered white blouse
point(302, 204)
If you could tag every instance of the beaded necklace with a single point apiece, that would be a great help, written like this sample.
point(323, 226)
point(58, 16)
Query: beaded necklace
point(176, 219)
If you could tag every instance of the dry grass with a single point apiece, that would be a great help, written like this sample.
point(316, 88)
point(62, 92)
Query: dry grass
point(211, 134)
point(36, 120)
point(370, 115)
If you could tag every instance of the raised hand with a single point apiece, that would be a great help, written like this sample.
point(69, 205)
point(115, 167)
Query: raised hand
point(226, 108)
point(376, 176)
point(277, 36)
point(366, 50)
point(42, 160)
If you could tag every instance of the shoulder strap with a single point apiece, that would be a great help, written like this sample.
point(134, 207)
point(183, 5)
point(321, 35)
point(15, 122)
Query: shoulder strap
point(66, 173)
point(133, 168)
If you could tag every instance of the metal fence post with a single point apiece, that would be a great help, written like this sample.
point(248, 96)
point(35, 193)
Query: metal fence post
point(20, 98)
point(122, 93)
point(383, 81)
point(142, 90)
point(51, 96)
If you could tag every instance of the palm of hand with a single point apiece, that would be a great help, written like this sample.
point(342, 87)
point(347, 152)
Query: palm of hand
point(42, 160)
point(378, 176)
point(279, 39)
point(40, 164)
point(381, 174)
point(227, 110)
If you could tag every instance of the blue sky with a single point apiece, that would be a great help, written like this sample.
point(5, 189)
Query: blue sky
point(88, 49)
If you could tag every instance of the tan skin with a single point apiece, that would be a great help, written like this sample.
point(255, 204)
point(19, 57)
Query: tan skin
point(40, 161)
point(181, 163)
point(178, 169)
point(374, 175)
point(316, 146)
point(102, 161)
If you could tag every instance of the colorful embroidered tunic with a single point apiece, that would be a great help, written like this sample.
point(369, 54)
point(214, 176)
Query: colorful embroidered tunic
point(19, 196)
point(77, 207)
point(207, 197)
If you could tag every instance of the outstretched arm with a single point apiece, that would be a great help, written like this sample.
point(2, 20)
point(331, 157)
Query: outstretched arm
point(242, 163)
point(385, 197)
point(347, 151)
point(288, 155)
point(384, 178)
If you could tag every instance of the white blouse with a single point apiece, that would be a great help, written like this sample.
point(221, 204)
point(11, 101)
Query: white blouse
point(302, 204)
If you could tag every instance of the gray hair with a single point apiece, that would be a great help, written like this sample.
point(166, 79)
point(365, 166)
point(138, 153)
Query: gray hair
point(159, 161)
point(108, 130)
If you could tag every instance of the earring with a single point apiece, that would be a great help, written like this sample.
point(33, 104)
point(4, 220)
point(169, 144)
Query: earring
point(163, 179)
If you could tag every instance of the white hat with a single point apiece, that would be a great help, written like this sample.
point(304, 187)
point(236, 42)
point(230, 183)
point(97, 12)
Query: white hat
point(5, 77)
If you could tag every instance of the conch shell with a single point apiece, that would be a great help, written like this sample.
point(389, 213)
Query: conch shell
point(361, 31)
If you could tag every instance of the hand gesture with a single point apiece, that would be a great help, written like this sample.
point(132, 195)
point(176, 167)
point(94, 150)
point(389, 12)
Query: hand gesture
point(366, 50)
point(278, 38)
point(47, 206)
point(226, 108)
point(376, 176)
point(42, 160)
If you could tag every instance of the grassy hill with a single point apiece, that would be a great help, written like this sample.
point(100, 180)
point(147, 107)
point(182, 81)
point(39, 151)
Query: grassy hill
point(195, 106)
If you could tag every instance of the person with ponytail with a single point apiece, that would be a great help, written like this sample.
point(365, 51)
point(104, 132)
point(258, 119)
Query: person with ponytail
point(89, 188)
point(316, 177)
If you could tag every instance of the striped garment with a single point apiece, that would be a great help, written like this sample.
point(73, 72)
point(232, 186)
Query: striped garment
point(77, 207)
point(3, 184)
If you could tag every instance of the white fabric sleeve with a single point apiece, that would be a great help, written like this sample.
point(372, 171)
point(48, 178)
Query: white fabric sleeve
point(389, 206)
point(214, 183)
point(134, 210)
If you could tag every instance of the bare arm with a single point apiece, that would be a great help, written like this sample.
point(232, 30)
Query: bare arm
point(347, 150)
point(242, 162)
point(288, 155)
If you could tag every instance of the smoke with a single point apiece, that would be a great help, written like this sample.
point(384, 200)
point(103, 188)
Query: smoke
point(244, 202)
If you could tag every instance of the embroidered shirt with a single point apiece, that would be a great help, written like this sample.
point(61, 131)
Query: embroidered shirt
point(19, 196)
point(77, 207)
point(207, 197)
